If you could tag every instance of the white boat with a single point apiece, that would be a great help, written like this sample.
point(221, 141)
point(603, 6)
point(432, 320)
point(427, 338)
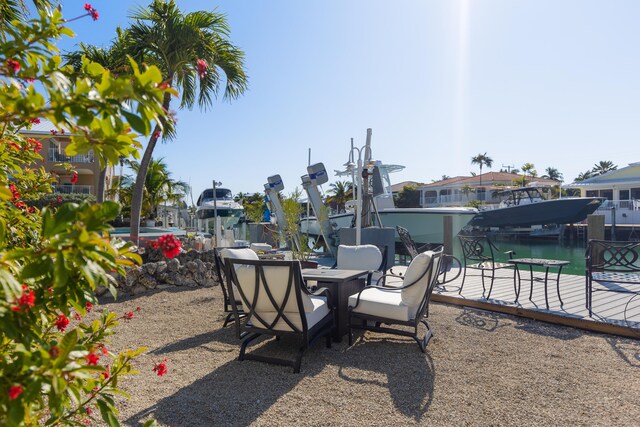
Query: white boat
point(424, 224)
point(222, 205)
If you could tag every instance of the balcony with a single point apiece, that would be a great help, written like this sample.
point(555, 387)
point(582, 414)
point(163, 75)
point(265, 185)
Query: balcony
point(73, 189)
point(57, 155)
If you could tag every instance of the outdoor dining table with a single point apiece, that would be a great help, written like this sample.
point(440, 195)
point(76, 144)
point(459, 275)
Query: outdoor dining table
point(342, 284)
point(538, 262)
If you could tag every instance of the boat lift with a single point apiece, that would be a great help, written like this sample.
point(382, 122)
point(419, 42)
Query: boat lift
point(317, 175)
point(272, 189)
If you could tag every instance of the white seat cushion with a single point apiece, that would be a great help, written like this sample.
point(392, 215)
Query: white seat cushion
point(319, 309)
point(242, 253)
point(382, 303)
point(413, 294)
point(362, 257)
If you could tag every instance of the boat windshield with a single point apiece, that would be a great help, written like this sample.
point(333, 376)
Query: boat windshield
point(521, 196)
point(221, 194)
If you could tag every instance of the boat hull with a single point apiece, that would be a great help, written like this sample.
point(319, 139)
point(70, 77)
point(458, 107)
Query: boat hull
point(424, 224)
point(559, 211)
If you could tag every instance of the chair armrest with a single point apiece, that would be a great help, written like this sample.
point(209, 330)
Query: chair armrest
point(510, 253)
point(324, 292)
point(383, 277)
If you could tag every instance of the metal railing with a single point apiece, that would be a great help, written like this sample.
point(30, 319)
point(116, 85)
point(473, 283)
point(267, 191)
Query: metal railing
point(73, 189)
point(57, 155)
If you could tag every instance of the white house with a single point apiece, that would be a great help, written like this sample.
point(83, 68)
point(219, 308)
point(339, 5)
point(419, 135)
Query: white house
point(620, 187)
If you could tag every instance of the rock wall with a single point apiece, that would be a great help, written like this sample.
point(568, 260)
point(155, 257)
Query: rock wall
point(190, 269)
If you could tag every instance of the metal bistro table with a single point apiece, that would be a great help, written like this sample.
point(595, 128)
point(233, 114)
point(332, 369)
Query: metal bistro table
point(342, 284)
point(538, 262)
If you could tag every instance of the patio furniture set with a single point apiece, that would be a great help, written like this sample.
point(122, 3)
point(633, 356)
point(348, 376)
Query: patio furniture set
point(271, 298)
point(264, 297)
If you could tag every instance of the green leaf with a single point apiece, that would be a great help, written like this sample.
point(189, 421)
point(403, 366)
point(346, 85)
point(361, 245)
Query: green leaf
point(137, 123)
point(150, 423)
point(66, 346)
point(107, 413)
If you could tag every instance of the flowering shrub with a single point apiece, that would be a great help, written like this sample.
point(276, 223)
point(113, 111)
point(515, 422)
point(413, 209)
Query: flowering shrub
point(169, 245)
point(55, 368)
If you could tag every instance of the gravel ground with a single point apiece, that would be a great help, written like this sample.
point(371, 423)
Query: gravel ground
point(479, 369)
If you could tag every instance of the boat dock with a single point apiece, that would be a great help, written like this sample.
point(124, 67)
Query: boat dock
point(613, 313)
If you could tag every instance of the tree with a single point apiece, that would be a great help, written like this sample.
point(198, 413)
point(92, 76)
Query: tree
point(159, 187)
point(409, 197)
point(584, 175)
point(482, 160)
point(553, 173)
point(341, 193)
point(55, 369)
point(466, 190)
point(530, 169)
point(603, 167)
point(195, 56)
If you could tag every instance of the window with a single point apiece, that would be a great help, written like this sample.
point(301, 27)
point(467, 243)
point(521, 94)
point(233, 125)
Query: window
point(624, 194)
point(592, 193)
point(635, 193)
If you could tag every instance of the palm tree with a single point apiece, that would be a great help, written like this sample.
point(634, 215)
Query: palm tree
point(159, 187)
point(466, 190)
point(10, 10)
point(553, 173)
point(603, 166)
point(341, 191)
point(530, 169)
point(584, 175)
point(195, 57)
point(482, 160)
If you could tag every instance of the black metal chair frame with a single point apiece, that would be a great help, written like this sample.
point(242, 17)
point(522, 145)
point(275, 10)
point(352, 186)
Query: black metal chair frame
point(295, 288)
point(447, 260)
point(611, 262)
point(383, 265)
point(421, 314)
point(229, 303)
point(478, 254)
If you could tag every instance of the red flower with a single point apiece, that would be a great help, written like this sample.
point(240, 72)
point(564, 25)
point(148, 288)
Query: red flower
point(53, 132)
point(36, 146)
point(74, 178)
point(170, 245)
point(88, 307)
point(201, 67)
point(13, 66)
point(77, 316)
point(62, 322)
point(106, 374)
point(103, 349)
point(35, 121)
point(88, 410)
point(160, 368)
point(15, 391)
point(26, 300)
point(157, 134)
point(92, 11)
point(163, 86)
point(92, 359)
point(59, 199)
point(128, 316)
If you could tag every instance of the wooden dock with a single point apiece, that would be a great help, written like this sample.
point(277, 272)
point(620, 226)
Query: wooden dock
point(613, 312)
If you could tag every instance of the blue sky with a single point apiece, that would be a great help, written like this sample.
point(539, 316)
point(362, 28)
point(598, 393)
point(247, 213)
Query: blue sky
point(555, 83)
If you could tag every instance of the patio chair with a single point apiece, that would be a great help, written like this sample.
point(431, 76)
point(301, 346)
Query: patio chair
point(449, 264)
point(614, 266)
point(277, 303)
point(479, 253)
point(407, 305)
point(362, 257)
point(220, 255)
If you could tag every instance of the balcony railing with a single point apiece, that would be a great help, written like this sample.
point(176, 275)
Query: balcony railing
point(73, 189)
point(57, 155)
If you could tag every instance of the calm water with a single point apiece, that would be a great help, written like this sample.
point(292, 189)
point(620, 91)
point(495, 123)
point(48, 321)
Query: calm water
point(541, 249)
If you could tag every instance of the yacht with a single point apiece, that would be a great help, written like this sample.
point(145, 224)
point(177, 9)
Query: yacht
point(220, 204)
point(527, 206)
